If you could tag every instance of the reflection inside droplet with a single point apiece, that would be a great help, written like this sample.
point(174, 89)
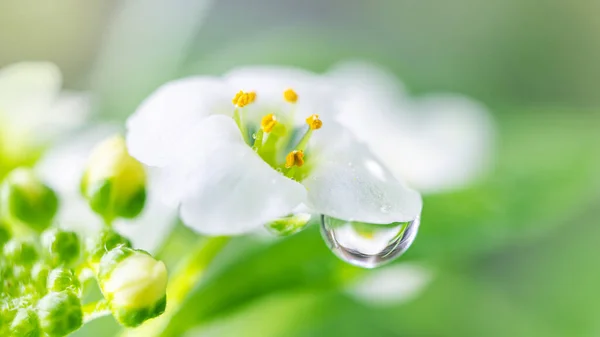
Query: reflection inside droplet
point(288, 225)
point(368, 245)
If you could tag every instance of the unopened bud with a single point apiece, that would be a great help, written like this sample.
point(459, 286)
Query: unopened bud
point(103, 242)
point(61, 279)
point(114, 183)
point(20, 252)
point(26, 200)
point(60, 313)
point(26, 324)
point(63, 247)
point(134, 284)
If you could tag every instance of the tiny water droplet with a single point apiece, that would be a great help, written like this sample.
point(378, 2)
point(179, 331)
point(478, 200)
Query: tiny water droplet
point(368, 245)
point(289, 225)
point(254, 136)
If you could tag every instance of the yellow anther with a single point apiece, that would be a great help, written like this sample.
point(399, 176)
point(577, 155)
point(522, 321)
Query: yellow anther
point(290, 95)
point(241, 99)
point(268, 122)
point(314, 122)
point(295, 157)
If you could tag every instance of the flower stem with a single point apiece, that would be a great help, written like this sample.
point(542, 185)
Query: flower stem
point(94, 310)
point(183, 280)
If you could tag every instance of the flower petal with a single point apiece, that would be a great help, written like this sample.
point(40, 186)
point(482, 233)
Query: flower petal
point(349, 183)
point(225, 188)
point(166, 118)
point(270, 82)
point(435, 143)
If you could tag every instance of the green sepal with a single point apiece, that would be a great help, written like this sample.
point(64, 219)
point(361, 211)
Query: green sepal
point(103, 242)
point(63, 247)
point(133, 205)
point(26, 200)
point(62, 279)
point(132, 318)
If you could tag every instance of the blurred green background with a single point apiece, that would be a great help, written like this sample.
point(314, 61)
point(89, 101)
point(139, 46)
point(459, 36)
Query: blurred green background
point(512, 255)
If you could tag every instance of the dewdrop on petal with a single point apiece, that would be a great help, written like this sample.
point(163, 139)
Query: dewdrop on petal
point(26, 200)
point(114, 183)
point(134, 284)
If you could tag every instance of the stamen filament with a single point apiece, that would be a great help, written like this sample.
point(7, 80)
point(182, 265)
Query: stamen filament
point(258, 140)
point(239, 121)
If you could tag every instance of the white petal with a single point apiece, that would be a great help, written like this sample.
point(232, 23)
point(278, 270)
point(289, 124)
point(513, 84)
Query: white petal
point(367, 83)
point(349, 183)
point(435, 143)
point(270, 82)
point(225, 188)
point(171, 113)
point(392, 285)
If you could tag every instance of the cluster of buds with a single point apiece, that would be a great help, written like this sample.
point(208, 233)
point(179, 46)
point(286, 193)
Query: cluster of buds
point(41, 294)
point(44, 269)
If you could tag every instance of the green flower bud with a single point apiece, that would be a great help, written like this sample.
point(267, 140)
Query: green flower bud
point(20, 252)
point(61, 279)
point(60, 313)
point(62, 246)
point(114, 183)
point(25, 324)
point(134, 284)
point(26, 200)
point(103, 242)
point(39, 275)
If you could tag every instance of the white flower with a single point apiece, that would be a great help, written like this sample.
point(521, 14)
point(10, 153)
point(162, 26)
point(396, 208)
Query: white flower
point(202, 144)
point(34, 110)
point(62, 168)
point(435, 143)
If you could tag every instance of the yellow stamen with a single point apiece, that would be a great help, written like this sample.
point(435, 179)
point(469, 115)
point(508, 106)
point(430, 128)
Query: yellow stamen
point(314, 122)
point(241, 99)
point(294, 158)
point(268, 122)
point(290, 95)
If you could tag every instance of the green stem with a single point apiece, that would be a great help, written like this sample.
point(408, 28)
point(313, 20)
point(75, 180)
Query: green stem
point(182, 282)
point(94, 310)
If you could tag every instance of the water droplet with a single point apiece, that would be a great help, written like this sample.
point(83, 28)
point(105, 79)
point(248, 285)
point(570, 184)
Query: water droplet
point(254, 136)
point(289, 225)
point(368, 245)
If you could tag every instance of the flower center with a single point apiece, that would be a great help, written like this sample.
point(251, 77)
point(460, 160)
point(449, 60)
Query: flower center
point(278, 141)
